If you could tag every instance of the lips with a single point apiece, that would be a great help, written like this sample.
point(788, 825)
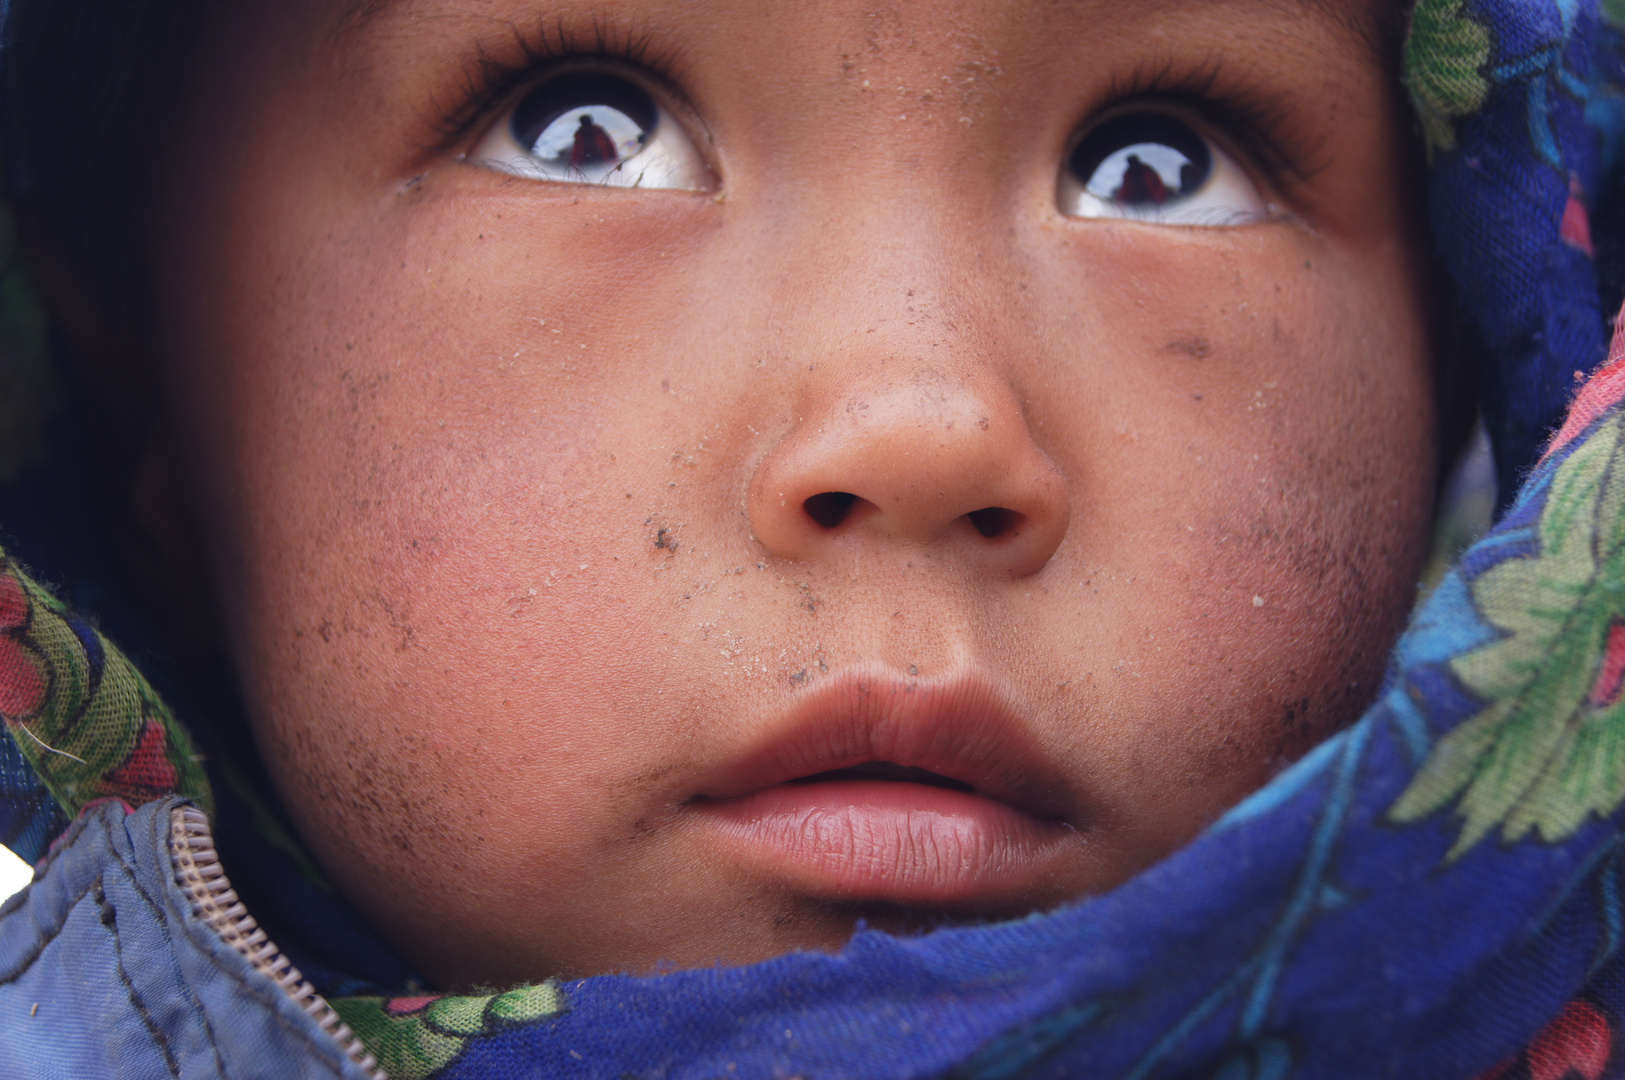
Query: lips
point(886, 789)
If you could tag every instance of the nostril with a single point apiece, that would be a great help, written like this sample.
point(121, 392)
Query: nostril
point(993, 521)
point(830, 508)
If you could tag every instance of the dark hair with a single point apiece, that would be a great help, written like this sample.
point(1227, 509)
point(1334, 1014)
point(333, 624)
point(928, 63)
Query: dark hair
point(87, 88)
point(85, 91)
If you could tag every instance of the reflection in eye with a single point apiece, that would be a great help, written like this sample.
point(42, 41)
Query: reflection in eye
point(1154, 167)
point(591, 127)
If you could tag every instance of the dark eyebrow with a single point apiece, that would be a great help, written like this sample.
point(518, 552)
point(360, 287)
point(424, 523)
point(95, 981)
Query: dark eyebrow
point(364, 11)
point(358, 14)
point(1377, 26)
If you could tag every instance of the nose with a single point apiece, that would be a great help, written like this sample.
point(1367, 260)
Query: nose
point(911, 455)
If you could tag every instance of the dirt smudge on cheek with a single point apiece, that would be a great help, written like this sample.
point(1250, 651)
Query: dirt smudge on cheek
point(1196, 347)
point(1316, 576)
point(376, 805)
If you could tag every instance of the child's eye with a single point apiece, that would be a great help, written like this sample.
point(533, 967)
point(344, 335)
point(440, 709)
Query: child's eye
point(593, 127)
point(1151, 166)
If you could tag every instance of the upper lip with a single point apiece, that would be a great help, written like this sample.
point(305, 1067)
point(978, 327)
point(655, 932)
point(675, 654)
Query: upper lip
point(957, 726)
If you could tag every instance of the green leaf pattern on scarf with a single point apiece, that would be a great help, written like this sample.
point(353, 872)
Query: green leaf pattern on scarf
point(414, 1038)
point(1445, 54)
point(1548, 748)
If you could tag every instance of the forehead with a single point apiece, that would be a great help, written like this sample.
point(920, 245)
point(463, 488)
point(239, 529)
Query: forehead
point(1367, 28)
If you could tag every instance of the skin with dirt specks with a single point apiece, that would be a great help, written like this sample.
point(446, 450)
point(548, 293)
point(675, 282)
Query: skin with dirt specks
point(501, 481)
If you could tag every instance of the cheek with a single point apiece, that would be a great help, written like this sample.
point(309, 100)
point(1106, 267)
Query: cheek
point(414, 475)
point(395, 390)
point(1257, 475)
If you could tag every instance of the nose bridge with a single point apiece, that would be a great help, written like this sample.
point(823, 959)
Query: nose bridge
point(867, 232)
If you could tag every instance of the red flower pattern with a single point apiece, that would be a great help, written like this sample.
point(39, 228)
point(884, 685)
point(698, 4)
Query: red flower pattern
point(1611, 676)
point(148, 768)
point(22, 675)
point(1576, 1046)
point(1575, 228)
point(1600, 393)
point(1580, 1041)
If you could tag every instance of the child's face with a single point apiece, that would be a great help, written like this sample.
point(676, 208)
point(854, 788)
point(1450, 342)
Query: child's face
point(519, 494)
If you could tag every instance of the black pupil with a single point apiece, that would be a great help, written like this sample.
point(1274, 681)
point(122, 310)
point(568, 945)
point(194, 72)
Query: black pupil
point(584, 121)
point(1143, 160)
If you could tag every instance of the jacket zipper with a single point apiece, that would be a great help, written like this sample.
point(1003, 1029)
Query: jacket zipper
point(198, 872)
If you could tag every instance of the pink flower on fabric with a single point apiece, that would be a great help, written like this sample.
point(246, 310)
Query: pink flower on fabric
point(1611, 676)
point(1600, 393)
point(22, 675)
point(406, 1006)
point(1579, 1041)
point(1576, 227)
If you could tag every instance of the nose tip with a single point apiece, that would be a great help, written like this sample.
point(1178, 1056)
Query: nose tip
point(930, 461)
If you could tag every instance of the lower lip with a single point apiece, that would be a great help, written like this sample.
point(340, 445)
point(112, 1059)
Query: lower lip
point(898, 842)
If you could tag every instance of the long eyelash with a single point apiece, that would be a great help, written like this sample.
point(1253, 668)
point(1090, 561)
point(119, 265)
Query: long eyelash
point(492, 76)
point(1260, 119)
